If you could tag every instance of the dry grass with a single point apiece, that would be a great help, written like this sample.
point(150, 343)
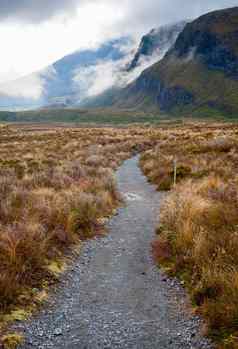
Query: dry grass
point(198, 231)
point(12, 341)
point(56, 185)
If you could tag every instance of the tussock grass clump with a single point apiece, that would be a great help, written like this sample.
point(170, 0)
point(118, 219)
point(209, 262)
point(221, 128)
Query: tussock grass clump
point(199, 231)
point(12, 340)
point(197, 238)
point(56, 186)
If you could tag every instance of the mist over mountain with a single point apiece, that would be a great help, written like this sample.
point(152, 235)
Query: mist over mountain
point(65, 81)
point(156, 43)
point(186, 67)
point(152, 48)
point(198, 75)
point(89, 76)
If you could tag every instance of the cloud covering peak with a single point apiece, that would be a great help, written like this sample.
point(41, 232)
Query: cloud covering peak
point(30, 29)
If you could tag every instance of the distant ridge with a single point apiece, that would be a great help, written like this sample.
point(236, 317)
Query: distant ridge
point(153, 46)
point(199, 74)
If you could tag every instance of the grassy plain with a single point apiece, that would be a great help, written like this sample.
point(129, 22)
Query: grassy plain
point(198, 231)
point(57, 186)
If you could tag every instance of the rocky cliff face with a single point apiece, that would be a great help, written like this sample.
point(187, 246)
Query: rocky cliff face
point(198, 74)
point(89, 78)
point(213, 39)
point(153, 47)
point(149, 92)
point(157, 42)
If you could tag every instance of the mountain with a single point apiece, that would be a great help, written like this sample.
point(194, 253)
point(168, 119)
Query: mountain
point(153, 46)
point(89, 78)
point(198, 75)
point(66, 81)
point(156, 43)
point(73, 73)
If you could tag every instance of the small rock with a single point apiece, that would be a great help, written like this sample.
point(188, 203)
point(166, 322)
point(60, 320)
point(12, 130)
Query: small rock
point(58, 332)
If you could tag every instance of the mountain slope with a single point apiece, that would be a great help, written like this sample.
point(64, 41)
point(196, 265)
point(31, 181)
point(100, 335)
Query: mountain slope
point(156, 43)
point(153, 46)
point(199, 74)
point(61, 83)
point(89, 78)
point(67, 84)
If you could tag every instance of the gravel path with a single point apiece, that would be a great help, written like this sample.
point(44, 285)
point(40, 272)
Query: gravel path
point(113, 296)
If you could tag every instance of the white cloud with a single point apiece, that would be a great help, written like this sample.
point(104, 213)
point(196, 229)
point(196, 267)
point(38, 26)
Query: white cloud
point(96, 79)
point(35, 33)
point(30, 87)
point(26, 48)
point(35, 10)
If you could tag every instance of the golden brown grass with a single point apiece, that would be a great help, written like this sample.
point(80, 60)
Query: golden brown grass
point(198, 232)
point(12, 341)
point(56, 185)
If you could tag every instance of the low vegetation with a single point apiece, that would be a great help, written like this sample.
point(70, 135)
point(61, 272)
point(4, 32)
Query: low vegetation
point(12, 341)
point(198, 231)
point(82, 116)
point(56, 185)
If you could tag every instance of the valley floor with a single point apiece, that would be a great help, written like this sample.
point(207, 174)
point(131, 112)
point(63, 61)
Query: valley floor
point(114, 296)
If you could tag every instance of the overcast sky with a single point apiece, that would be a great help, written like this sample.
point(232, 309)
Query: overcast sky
point(35, 33)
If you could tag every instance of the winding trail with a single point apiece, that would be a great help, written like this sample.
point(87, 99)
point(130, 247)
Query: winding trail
point(113, 296)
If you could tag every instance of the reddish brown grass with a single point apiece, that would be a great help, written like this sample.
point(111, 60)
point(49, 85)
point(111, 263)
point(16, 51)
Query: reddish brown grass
point(56, 184)
point(198, 231)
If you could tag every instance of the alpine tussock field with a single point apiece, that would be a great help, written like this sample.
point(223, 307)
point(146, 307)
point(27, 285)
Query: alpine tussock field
point(57, 186)
point(198, 231)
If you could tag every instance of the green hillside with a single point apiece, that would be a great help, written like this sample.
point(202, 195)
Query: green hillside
point(198, 76)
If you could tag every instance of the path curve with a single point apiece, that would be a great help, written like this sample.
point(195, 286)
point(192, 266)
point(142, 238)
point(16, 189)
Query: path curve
point(114, 297)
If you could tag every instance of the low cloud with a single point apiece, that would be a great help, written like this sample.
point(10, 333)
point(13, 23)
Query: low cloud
point(96, 79)
point(28, 87)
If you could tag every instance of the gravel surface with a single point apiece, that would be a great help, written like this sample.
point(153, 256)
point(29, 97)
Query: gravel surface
point(113, 296)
